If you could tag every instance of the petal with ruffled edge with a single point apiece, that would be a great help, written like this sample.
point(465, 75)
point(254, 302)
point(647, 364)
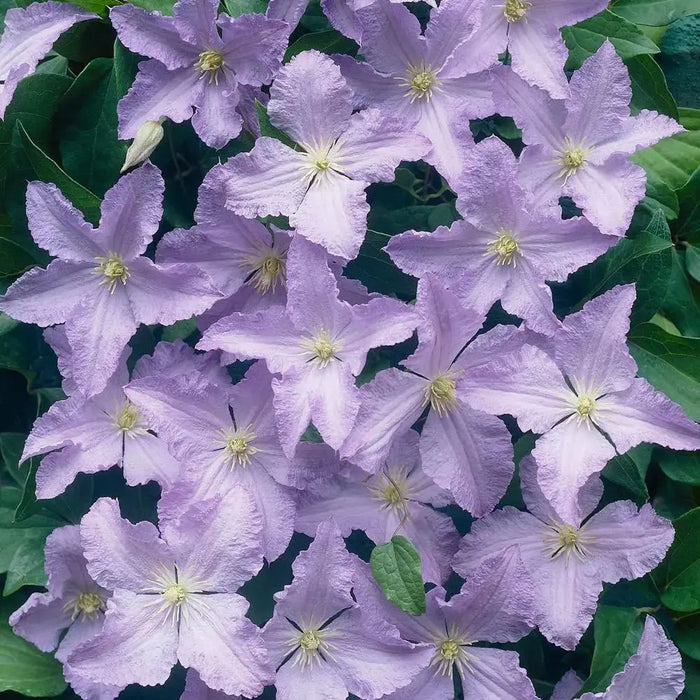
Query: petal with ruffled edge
point(315, 681)
point(373, 89)
point(495, 674)
point(333, 214)
point(57, 226)
point(41, 620)
point(627, 543)
point(642, 414)
point(390, 404)
point(29, 32)
point(269, 180)
point(567, 457)
point(568, 686)
point(469, 454)
point(46, 297)
point(340, 14)
point(121, 555)
point(216, 119)
point(450, 25)
point(197, 689)
point(427, 684)
point(654, 671)
point(146, 458)
point(152, 34)
point(254, 44)
point(310, 100)
point(168, 293)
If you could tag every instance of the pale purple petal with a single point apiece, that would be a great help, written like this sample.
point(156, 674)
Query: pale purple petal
point(495, 674)
point(318, 680)
point(449, 26)
point(340, 14)
point(568, 686)
point(41, 620)
point(196, 22)
point(146, 458)
point(216, 119)
point(196, 689)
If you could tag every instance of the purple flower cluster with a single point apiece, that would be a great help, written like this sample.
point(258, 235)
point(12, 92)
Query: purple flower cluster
point(237, 472)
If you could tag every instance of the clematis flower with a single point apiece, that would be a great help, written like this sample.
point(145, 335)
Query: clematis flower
point(318, 344)
point(28, 36)
point(529, 32)
point(583, 397)
point(654, 671)
point(579, 146)
point(197, 63)
point(101, 285)
point(322, 642)
point(321, 187)
point(569, 560)
point(506, 246)
point(397, 499)
point(224, 436)
point(494, 605)
point(465, 451)
point(94, 434)
point(174, 596)
point(420, 77)
point(70, 612)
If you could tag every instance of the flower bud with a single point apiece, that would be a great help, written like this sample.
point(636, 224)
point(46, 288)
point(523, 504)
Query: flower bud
point(148, 136)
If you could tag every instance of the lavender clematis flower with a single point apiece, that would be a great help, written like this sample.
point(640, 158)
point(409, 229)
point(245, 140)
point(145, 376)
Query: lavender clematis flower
point(529, 31)
point(175, 596)
point(569, 560)
point(654, 671)
point(197, 61)
point(506, 247)
point(224, 436)
point(101, 285)
point(28, 36)
point(465, 451)
point(397, 499)
point(420, 78)
point(322, 642)
point(494, 605)
point(322, 186)
point(91, 435)
point(580, 146)
point(584, 397)
point(318, 344)
point(70, 612)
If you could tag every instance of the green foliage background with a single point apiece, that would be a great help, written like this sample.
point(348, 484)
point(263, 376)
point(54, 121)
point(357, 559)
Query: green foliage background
point(61, 127)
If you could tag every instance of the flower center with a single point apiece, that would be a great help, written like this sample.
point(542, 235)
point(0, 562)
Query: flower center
point(310, 645)
point(268, 268)
point(505, 248)
point(450, 652)
point(322, 347)
point(86, 605)
point(210, 62)
point(310, 640)
point(572, 158)
point(392, 490)
point(127, 419)
point(113, 270)
point(515, 10)
point(585, 405)
point(175, 594)
point(441, 394)
point(237, 445)
point(562, 539)
point(421, 81)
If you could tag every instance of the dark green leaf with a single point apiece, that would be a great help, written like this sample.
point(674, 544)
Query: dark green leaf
point(396, 568)
point(616, 632)
point(655, 12)
point(241, 7)
point(686, 636)
point(670, 363)
point(48, 170)
point(629, 471)
point(649, 88)
point(682, 584)
point(163, 6)
point(687, 227)
point(329, 42)
point(267, 128)
point(23, 668)
point(585, 38)
point(672, 160)
point(680, 466)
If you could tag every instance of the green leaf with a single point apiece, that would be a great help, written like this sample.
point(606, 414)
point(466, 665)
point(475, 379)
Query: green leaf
point(649, 88)
point(682, 585)
point(329, 42)
point(99, 7)
point(657, 13)
point(396, 568)
point(23, 668)
point(616, 632)
point(672, 160)
point(629, 471)
point(163, 6)
point(680, 466)
point(90, 148)
point(585, 38)
point(692, 262)
point(670, 363)
point(266, 127)
point(126, 66)
point(48, 170)
point(688, 225)
point(686, 636)
point(236, 8)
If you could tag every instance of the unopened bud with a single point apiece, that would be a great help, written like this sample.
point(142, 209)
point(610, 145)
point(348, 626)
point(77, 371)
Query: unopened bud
point(147, 138)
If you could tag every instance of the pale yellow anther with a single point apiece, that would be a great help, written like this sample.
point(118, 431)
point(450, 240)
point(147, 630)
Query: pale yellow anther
point(175, 594)
point(210, 62)
point(441, 394)
point(127, 418)
point(563, 539)
point(238, 445)
point(323, 348)
point(86, 606)
point(450, 652)
point(572, 157)
point(515, 10)
point(421, 82)
point(585, 406)
point(309, 640)
point(267, 268)
point(112, 270)
point(505, 248)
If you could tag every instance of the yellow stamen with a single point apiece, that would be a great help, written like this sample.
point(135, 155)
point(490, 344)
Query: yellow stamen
point(421, 81)
point(210, 61)
point(515, 10)
point(441, 394)
point(113, 270)
point(505, 247)
point(572, 157)
point(323, 347)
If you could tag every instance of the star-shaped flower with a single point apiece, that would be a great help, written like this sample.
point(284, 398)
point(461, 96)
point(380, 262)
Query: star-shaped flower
point(197, 62)
point(583, 397)
point(101, 285)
